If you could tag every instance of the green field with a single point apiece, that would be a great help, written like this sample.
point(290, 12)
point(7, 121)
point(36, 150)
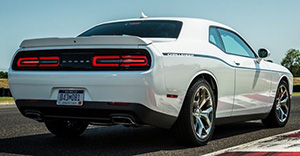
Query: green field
point(296, 81)
point(3, 83)
point(296, 93)
point(6, 100)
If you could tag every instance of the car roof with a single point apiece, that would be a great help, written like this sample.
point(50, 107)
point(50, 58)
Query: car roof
point(182, 19)
point(191, 26)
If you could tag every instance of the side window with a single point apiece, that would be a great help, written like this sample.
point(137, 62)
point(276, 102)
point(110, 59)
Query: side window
point(214, 38)
point(234, 44)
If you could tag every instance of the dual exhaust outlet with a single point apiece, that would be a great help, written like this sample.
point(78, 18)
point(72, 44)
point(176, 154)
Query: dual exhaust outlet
point(126, 120)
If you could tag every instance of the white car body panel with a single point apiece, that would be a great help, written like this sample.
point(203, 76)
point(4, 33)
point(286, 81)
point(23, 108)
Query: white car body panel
point(245, 89)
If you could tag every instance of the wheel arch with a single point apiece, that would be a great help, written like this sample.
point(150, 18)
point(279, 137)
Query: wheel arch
point(210, 78)
point(288, 81)
point(284, 78)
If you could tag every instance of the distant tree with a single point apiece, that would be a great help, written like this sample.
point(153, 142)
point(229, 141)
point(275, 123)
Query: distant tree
point(3, 74)
point(292, 61)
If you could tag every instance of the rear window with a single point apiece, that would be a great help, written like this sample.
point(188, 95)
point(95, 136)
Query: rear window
point(147, 29)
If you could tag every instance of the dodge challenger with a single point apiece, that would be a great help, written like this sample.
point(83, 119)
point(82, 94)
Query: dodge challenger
point(183, 74)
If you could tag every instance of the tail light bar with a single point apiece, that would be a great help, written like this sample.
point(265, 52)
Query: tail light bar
point(120, 61)
point(52, 61)
point(83, 60)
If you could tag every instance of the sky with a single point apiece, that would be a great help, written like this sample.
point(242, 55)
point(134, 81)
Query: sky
point(272, 24)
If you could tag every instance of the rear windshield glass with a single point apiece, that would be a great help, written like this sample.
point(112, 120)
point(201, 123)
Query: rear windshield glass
point(147, 29)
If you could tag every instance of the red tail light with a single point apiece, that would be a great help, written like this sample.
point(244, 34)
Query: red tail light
point(123, 61)
point(118, 103)
point(106, 61)
point(134, 61)
point(28, 62)
point(38, 61)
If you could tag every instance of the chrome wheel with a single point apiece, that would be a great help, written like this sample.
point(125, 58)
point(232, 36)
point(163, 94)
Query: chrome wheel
point(195, 124)
point(202, 112)
point(280, 112)
point(282, 103)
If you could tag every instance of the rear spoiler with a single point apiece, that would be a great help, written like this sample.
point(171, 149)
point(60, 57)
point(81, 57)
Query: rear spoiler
point(93, 40)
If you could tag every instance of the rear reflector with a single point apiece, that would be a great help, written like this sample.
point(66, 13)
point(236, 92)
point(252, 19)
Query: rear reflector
point(31, 100)
point(118, 103)
point(172, 96)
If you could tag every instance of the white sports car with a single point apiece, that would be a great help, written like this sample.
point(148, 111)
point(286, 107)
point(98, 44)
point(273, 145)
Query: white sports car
point(179, 73)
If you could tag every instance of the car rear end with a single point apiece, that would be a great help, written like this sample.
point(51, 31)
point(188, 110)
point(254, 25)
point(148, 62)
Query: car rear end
point(107, 75)
point(106, 84)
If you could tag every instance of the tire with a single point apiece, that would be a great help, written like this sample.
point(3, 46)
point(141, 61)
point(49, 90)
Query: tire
point(279, 115)
point(195, 123)
point(66, 128)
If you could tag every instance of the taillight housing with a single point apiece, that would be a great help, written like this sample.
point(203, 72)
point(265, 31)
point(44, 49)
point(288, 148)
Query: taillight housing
point(126, 61)
point(106, 61)
point(28, 62)
point(52, 61)
point(136, 61)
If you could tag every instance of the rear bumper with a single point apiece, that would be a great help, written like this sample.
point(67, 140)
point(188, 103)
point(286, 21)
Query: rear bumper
point(145, 88)
point(100, 112)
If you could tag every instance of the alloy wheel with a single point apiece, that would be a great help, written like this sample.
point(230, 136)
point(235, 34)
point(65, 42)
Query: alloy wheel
point(202, 112)
point(282, 103)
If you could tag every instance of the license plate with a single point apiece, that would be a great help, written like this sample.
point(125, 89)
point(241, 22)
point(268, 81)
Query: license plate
point(70, 97)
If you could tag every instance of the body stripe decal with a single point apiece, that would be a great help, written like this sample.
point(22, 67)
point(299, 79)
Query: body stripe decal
point(217, 58)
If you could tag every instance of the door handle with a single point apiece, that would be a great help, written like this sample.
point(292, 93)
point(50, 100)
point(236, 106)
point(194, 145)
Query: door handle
point(237, 63)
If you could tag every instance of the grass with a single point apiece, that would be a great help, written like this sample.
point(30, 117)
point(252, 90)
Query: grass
point(296, 81)
point(3, 83)
point(6, 100)
point(296, 93)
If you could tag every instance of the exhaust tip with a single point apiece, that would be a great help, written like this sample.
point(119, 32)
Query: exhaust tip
point(123, 120)
point(35, 115)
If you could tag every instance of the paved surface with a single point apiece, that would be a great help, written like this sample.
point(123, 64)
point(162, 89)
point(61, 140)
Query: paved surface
point(22, 136)
point(287, 144)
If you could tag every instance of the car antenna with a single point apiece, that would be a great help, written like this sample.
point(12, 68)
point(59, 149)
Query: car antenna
point(143, 15)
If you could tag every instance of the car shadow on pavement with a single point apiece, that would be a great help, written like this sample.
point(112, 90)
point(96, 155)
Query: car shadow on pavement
point(224, 131)
point(114, 140)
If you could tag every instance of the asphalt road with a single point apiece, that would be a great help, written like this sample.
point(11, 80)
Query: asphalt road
point(22, 136)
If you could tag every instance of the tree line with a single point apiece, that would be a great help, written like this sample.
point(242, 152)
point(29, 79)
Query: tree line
point(292, 61)
point(3, 74)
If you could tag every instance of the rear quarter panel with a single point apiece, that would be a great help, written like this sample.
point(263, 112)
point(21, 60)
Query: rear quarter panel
point(184, 61)
point(278, 72)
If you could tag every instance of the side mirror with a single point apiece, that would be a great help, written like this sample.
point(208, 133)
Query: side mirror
point(263, 53)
